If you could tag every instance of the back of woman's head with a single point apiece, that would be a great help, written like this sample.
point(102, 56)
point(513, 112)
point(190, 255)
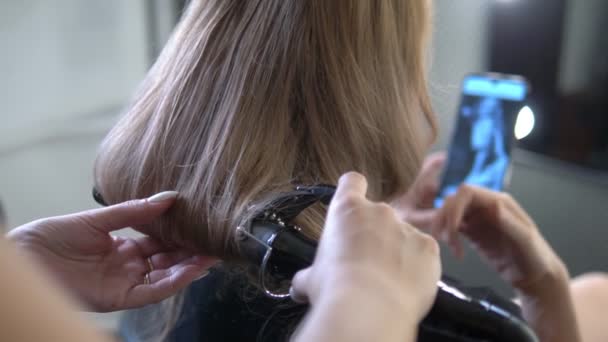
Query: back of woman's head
point(251, 97)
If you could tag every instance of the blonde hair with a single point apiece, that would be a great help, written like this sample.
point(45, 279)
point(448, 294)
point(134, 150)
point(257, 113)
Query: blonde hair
point(251, 97)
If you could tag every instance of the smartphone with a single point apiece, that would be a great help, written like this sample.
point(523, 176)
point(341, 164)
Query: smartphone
point(480, 151)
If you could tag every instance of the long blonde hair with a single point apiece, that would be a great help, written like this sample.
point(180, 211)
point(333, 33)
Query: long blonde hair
point(251, 97)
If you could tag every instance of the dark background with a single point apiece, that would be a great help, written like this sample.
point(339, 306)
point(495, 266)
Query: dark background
point(565, 57)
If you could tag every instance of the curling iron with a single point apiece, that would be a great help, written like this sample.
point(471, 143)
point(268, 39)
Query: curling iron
point(278, 249)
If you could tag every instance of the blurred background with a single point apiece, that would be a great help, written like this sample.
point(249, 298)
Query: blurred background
point(68, 68)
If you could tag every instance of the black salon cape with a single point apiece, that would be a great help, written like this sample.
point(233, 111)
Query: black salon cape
point(222, 307)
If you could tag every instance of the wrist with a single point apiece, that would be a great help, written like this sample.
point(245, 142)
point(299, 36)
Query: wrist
point(548, 308)
point(554, 279)
point(544, 269)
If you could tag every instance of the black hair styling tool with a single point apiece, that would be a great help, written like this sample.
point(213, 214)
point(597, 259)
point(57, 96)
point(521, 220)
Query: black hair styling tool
point(276, 246)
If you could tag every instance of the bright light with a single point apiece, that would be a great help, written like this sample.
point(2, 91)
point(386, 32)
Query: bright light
point(525, 123)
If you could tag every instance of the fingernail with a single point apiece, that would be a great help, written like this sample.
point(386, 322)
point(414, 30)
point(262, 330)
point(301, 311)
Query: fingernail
point(163, 196)
point(203, 275)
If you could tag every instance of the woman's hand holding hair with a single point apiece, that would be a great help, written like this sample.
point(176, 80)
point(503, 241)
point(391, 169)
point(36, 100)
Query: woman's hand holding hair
point(510, 242)
point(422, 193)
point(374, 277)
point(108, 273)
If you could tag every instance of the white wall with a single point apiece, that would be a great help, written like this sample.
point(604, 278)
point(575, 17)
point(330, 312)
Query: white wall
point(67, 68)
point(458, 48)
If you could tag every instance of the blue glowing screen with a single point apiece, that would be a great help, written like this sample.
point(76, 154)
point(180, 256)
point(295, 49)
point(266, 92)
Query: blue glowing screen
point(480, 152)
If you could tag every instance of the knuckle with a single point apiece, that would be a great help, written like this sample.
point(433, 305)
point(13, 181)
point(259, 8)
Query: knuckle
point(498, 205)
point(451, 201)
point(427, 249)
point(427, 243)
point(385, 210)
point(408, 229)
point(348, 202)
point(506, 197)
point(406, 232)
point(502, 215)
point(132, 204)
point(87, 219)
point(431, 245)
point(465, 189)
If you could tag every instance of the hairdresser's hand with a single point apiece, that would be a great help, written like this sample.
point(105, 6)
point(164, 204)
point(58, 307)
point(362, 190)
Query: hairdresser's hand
point(371, 271)
point(109, 273)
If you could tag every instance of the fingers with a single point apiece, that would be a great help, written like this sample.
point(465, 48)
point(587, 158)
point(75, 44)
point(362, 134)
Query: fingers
point(299, 290)
point(167, 282)
point(149, 246)
point(466, 201)
point(197, 263)
point(159, 254)
point(168, 259)
point(427, 183)
point(422, 193)
point(422, 219)
point(351, 184)
point(434, 162)
point(128, 214)
point(453, 212)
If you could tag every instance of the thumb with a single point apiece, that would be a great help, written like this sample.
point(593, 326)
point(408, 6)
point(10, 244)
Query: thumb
point(427, 184)
point(351, 183)
point(300, 291)
point(128, 214)
point(435, 161)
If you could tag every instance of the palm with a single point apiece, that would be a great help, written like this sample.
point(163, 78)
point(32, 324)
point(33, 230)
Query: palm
point(113, 269)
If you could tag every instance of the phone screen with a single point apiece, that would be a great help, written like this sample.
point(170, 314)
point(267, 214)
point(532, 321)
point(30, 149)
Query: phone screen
point(480, 152)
